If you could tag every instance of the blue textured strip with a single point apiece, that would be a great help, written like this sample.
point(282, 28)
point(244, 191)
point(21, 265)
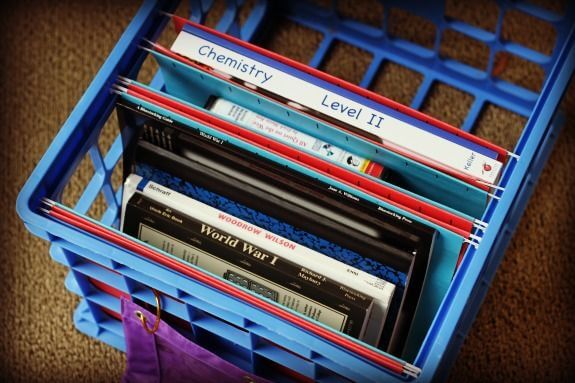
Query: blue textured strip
point(142, 184)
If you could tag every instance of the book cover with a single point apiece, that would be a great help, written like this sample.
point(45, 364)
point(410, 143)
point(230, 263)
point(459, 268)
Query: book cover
point(243, 263)
point(381, 291)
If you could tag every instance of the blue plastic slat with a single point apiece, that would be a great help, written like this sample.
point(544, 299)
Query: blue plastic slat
point(473, 32)
point(306, 368)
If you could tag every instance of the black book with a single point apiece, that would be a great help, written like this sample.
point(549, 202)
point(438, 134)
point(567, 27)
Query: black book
point(244, 264)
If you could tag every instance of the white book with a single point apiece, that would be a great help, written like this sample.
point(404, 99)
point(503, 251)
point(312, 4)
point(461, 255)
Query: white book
point(380, 290)
point(392, 131)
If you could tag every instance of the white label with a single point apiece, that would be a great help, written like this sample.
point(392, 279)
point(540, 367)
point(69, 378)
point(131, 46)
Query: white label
point(254, 282)
point(380, 290)
point(253, 121)
point(392, 131)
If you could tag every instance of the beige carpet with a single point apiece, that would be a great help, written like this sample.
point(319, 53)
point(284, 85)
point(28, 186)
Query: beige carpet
point(49, 51)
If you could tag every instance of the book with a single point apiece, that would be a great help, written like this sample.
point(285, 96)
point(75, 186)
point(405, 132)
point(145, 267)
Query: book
point(232, 293)
point(367, 117)
point(246, 265)
point(416, 241)
point(256, 122)
point(189, 86)
point(380, 290)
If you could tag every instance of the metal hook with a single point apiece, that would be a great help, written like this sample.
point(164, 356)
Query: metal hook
point(142, 317)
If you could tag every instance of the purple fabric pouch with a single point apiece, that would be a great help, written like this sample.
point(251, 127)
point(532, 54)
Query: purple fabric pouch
point(168, 357)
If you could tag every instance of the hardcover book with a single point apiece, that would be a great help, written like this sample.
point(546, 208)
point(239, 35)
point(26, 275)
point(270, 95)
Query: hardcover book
point(242, 263)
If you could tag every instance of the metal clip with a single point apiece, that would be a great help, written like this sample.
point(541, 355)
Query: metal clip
point(142, 317)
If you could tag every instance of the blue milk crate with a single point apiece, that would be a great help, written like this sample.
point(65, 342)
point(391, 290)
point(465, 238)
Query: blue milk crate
point(238, 332)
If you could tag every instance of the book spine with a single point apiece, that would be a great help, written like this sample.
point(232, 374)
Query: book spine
point(390, 130)
point(280, 132)
point(242, 263)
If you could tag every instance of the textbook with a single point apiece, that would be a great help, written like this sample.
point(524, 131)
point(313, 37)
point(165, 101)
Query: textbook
point(189, 86)
point(241, 262)
point(169, 109)
point(250, 120)
point(368, 118)
point(295, 198)
point(380, 290)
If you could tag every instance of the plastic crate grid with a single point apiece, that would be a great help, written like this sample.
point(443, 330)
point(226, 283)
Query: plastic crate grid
point(240, 340)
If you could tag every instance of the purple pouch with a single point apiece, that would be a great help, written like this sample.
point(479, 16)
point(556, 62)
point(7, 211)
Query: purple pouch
point(168, 357)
